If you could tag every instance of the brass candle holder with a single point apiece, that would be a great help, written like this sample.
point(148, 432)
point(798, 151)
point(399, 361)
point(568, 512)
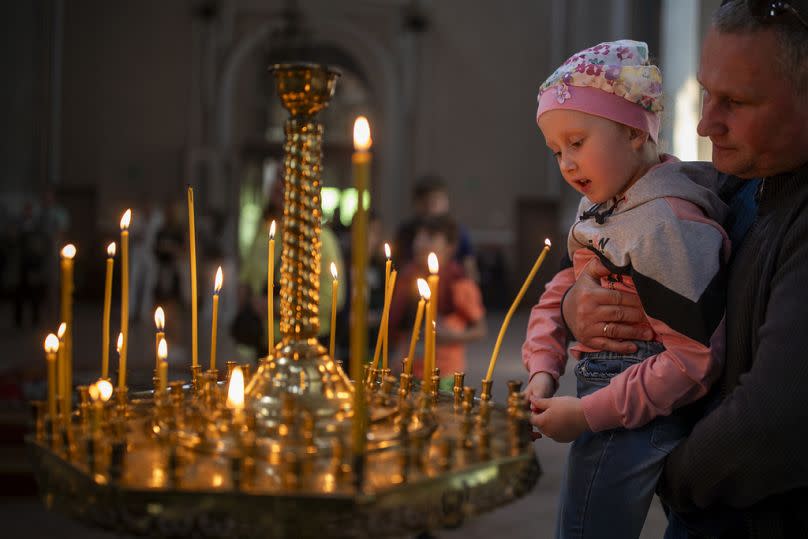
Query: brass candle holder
point(269, 453)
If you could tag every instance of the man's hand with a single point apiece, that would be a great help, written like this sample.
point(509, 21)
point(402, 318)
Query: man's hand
point(540, 386)
point(600, 318)
point(560, 418)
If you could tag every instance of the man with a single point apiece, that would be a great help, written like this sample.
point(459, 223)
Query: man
point(742, 471)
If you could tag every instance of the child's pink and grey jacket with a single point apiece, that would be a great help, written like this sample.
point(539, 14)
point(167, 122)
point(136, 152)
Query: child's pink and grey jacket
point(662, 241)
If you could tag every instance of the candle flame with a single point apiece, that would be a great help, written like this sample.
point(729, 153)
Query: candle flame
point(111, 250)
point(61, 331)
point(69, 251)
point(127, 217)
point(104, 387)
point(235, 391)
point(272, 229)
point(334, 271)
point(432, 262)
point(51, 343)
point(159, 318)
point(387, 250)
point(547, 242)
point(162, 349)
point(423, 289)
point(217, 284)
point(361, 134)
point(94, 392)
point(119, 343)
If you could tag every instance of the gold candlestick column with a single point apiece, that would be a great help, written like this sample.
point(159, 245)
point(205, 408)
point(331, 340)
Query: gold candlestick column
point(299, 364)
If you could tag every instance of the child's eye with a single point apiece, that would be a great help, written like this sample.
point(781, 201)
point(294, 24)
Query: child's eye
point(576, 143)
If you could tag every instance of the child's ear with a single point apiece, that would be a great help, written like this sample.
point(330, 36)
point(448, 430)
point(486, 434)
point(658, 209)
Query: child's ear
point(637, 137)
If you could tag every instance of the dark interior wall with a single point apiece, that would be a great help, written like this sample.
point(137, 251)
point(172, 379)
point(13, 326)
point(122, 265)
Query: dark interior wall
point(126, 91)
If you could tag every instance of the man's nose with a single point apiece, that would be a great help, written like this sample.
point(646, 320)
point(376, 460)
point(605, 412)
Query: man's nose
point(712, 121)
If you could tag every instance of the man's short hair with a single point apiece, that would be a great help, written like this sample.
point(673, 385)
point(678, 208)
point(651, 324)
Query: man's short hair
point(444, 225)
point(734, 17)
point(426, 185)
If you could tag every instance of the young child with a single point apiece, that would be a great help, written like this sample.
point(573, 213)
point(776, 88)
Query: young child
point(646, 217)
point(461, 315)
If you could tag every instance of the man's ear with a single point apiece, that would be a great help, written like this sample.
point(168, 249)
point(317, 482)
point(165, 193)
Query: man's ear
point(637, 137)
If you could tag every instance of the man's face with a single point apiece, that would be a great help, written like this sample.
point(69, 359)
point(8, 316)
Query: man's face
point(757, 122)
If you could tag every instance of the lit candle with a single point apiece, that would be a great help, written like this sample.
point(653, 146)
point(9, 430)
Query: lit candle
point(217, 287)
point(431, 317)
point(423, 290)
point(107, 310)
point(127, 216)
point(159, 325)
point(105, 387)
point(388, 265)
point(388, 296)
point(334, 296)
point(61, 369)
point(194, 313)
point(361, 160)
point(162, 365)
point(271, 290)
point(235, 395)
point(100, 392)
point(51, 348)
point(121, 366)
point(508, 316)
point(68, 254)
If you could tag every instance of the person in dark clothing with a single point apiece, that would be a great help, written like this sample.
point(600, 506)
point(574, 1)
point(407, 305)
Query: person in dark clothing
point(741, 472)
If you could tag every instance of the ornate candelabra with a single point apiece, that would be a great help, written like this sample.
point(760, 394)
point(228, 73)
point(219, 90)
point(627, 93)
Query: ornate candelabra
point(269, 454)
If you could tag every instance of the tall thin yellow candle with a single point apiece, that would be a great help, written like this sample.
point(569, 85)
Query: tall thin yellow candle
point(361, 160)
point(431, 318)
point(121, 366)
point(61, 369)
point(515, 304)
point(107, 311)
point(51, 348)
point(388, 297)
point(68, 254)
point(125, 220)
point(217, 287)
point(271, 290)
point(423, 290)
point(388, 265)
point(159, 334)
point(162, 365)
point(194, 299)
point(334, 296)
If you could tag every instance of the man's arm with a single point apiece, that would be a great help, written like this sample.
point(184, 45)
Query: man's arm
point(600, 318)
point(752, 445)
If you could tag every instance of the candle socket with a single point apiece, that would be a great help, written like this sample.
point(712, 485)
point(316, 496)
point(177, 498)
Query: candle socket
point(514, 398)
point(246, 370)
point(359, 472)
point(445, 453)
point(404, 385)
point(468, 399)
point(122, 398)
point(434, 388)
point(485, 394)
point(457, 388)
point(196, 375)
point(84, 408)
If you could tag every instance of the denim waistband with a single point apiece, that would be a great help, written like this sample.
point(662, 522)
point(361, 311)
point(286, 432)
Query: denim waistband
point(603, 365)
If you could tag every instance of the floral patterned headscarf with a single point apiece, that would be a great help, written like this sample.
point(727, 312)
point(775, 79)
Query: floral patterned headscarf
point(613, 80)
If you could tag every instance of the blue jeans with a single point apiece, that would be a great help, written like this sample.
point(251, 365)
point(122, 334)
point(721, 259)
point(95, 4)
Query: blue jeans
point(611, 475)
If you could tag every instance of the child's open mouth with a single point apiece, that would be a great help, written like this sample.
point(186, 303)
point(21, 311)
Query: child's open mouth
point(583, 183)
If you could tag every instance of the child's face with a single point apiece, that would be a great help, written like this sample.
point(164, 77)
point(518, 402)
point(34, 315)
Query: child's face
point(425, 243)
point(598, 157)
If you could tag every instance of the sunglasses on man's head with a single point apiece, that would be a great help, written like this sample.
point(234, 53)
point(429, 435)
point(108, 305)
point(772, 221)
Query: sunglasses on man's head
point(766, 10)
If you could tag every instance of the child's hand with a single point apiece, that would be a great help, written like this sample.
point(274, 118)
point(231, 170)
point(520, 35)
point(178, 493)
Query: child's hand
point(560, 418)
point(541, 386)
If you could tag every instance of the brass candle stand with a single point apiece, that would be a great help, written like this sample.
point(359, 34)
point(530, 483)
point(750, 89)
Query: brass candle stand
point(273, 457)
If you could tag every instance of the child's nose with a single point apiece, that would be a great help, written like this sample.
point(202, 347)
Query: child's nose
point(567, 164)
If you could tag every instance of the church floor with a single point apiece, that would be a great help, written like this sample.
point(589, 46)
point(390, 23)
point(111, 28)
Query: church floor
point(531, 517)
